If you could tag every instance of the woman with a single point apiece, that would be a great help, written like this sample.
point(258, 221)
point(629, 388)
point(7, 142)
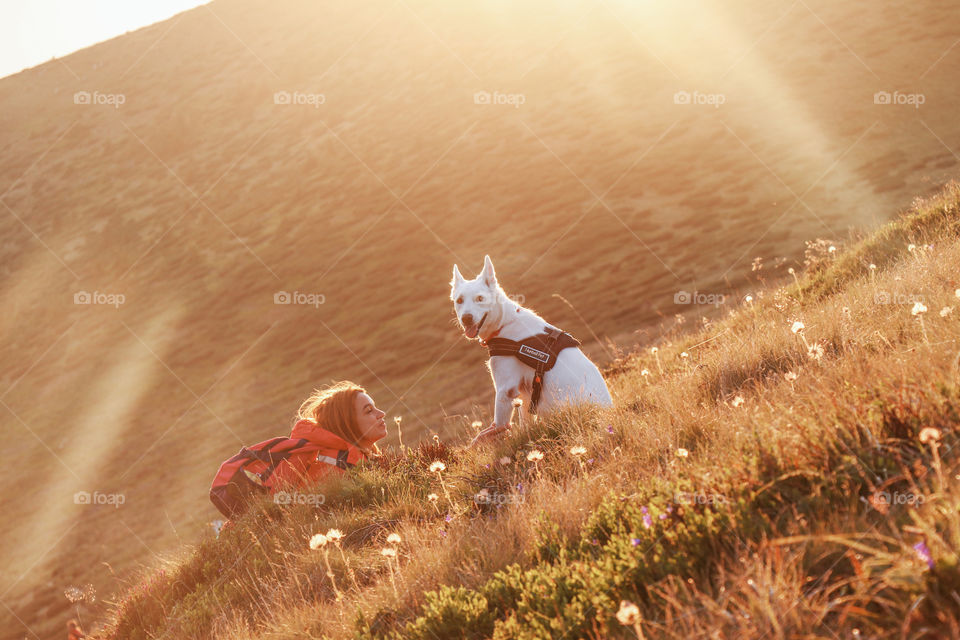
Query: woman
point(341, 425)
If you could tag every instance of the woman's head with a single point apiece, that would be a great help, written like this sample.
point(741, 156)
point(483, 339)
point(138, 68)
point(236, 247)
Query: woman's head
point(346, 410)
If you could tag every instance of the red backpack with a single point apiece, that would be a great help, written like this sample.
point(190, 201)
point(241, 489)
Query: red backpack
point(248, 473)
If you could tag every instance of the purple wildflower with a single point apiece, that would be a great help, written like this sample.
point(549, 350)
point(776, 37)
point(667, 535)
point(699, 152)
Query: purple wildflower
point(448, 518)
point(590, 461)
point(647, 521)
point(662, 516)
point(609, 428)
point(923, 553)
point(635, 541)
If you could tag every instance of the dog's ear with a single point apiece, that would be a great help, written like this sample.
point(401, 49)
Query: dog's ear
point(488, 275)
point(457, 279)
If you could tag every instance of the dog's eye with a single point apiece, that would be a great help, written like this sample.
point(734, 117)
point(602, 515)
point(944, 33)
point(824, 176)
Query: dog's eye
point(460, 300)
point(479, 298)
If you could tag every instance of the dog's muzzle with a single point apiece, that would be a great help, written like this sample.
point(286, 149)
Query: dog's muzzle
point(473, 331)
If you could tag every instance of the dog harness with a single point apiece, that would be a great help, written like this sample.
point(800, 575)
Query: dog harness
point(538, 352)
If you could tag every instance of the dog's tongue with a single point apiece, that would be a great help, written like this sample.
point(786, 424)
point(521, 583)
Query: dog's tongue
point(472, 331)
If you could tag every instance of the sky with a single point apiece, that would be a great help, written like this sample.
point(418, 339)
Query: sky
point(34, 31)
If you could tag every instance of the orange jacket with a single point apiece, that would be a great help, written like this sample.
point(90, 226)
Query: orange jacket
point(332, 453)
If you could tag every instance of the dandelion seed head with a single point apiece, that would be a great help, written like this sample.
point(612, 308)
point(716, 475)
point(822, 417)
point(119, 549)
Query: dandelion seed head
point(535, 456)
point(815, 351)
point(790, 375)
point(654, 350)
point(318, 540)
point(476, 424)
point(791, 271)
point(946, 311)
point(738, 401)
point(73, 594)
point(398, 419)
point(684, 355)
point(645, 372)
point(334, 535)
point(433, 497)
point(629, 613)
point(388, 552)
point(682, 453)
point(797, 327)
point(578, 450)
point(872, 267)
point(918, 308)
point(929, 434)
point(437, 466)
point(394, 538)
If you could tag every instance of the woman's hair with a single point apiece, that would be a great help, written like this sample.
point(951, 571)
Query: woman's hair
point(333, 408)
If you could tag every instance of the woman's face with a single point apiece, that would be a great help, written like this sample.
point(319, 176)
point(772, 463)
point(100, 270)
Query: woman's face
point(370, 424)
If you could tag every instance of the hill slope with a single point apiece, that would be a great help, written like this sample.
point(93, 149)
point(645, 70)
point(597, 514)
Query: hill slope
point(788, 470)
point(204, 194)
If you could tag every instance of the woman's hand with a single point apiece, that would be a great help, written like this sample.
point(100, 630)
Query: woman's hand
point(488, 434)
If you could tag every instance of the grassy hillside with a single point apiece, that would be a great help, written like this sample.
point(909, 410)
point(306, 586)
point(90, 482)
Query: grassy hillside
point(790, 470)
point(202, 195)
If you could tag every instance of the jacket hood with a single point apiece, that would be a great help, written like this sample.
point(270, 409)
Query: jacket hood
point(319, 436)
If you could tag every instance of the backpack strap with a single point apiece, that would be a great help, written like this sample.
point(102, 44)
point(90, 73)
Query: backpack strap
point(270, 458)
point(342, 460)
point(339, 462)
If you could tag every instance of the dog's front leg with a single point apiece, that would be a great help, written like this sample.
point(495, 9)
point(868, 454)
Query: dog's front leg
point(504, 373)
point(502, 412)
point(503, 407)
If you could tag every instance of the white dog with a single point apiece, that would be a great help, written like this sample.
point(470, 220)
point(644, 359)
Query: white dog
point(485, 312)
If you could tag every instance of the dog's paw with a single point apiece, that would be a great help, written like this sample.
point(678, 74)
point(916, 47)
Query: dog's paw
point(487, 434)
